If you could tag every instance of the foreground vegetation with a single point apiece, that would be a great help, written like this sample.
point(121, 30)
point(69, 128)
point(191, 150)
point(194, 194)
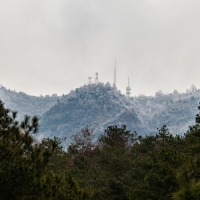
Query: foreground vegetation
point(119, 165)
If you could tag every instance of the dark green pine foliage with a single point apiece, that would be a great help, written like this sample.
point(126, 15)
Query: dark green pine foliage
point(119, 165)
point(155, 161)
point(188, 174)
point(115, 145)
point(24, 172)
point(122, 165)
point(103, 167)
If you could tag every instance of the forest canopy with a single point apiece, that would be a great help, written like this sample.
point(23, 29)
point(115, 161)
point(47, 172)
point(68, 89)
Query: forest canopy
point(119, 165)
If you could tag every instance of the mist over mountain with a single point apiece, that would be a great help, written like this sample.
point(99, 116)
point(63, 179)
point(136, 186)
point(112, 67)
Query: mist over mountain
point(101, 105)
point(96, 106)
point(176, 110)
point(26, 104)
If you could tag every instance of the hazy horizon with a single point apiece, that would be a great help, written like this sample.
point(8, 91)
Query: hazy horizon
point(188, 90)
point(54, 46)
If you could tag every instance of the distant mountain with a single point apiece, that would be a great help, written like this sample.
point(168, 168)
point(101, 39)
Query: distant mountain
point(95, 106)
point(99, 106)
point(26, 104)
point(175, 110)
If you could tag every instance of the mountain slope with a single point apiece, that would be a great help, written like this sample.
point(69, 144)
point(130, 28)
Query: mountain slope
point(177, 111)
point(26, 104)
point(99, 106)
point(95, 106)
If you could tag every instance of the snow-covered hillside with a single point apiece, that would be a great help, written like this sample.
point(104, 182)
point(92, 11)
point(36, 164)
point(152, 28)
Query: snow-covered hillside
point(26, 104)
point(95, 106)
point(99, 106)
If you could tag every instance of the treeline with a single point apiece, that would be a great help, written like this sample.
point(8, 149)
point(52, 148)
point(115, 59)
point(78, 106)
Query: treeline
point(119, 165)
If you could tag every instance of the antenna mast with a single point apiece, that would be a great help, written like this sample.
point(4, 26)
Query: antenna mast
point(128, 89)
point(89, 80)
point(115, 71)
point(96, 79)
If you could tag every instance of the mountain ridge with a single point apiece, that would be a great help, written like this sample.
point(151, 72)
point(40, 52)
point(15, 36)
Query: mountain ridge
point(101, 105)
point(26, 104)
point(92, 105)
point(142, 114)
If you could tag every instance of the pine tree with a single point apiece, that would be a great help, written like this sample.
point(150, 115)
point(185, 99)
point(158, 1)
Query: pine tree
point(24, 171)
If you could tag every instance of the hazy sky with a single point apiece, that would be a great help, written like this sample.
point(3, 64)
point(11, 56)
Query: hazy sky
point(52, 46)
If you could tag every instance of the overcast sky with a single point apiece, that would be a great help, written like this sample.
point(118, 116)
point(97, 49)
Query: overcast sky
point(52, 46)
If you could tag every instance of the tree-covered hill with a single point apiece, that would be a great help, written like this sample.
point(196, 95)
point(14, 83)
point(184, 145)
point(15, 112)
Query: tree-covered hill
point(26, 104)
point(119, 165)
point(95, 105)
point(176, 110)
point(99, 106)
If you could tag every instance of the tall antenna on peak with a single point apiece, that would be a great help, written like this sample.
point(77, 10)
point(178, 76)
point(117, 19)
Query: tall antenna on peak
point(115, 71)
point(128, 89)
point(96, 79)
point(89, 80)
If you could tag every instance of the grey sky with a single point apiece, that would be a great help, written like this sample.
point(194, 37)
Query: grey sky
point(53, 46)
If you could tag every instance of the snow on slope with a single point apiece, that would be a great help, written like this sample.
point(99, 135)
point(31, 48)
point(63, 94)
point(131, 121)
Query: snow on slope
point(95, 106)
point(99, 106)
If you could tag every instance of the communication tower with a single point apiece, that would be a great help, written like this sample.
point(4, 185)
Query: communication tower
point(115, 71)
point(128, 89)
point(89, 80)
point(96, 79)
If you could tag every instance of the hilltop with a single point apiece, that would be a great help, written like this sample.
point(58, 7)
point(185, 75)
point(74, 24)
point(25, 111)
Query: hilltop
point(101, 105)
point(96, 106)
point(26, 104)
